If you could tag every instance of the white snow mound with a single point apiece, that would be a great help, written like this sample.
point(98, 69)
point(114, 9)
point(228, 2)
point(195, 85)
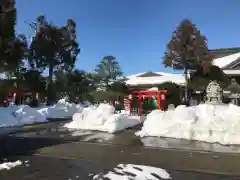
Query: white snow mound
point(19, 115)
point(22, 114)
point(204, 122)
point(102, 118)
point(62, 109)
point(28, 115)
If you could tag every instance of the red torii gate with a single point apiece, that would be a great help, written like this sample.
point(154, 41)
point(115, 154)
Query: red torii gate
point(160, 94)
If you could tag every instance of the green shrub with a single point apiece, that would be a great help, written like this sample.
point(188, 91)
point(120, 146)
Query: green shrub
point(173, 95)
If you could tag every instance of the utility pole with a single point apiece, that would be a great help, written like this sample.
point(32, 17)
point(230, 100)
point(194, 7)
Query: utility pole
point(186, 80)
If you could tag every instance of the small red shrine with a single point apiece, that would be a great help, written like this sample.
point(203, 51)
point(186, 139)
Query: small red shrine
point(140, 94)
point(16, 91)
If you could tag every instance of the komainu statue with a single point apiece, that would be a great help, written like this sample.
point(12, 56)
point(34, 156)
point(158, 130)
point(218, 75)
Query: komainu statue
point(214, 93)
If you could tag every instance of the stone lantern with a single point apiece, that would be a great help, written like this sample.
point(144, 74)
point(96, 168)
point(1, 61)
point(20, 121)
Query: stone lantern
point(233, 92)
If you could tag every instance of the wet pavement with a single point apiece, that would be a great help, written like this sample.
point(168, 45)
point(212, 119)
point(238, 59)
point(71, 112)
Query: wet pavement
point(126, 138)
point(55, 153)
point(52, 168)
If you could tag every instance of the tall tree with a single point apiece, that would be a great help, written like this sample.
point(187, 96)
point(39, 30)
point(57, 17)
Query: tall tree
point(13, 47)
point(16, 62)
point(79, 83)
point(34, 81)
point(73, 83)
point(108, 70)
point(187, 50)
point(7, 32)
point(54, 48)
point(120, 87)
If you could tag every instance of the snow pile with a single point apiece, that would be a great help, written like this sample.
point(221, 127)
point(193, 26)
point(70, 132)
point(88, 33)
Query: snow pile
point(102, 118)
point(137, 172)
point(19, 115)
point(27, 115)
point(10, 165)
point(7, 118)
point(62, 109)
point(204, 122)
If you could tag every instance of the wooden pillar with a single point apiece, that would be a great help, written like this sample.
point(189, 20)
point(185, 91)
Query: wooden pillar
point(139, 105)
point(130, 107)
point(159, 100)
point(130, 104)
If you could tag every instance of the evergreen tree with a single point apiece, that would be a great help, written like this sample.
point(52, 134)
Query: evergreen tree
point(74, 83)
point(7, 31)
point(34, 81)
point(187, 50)
point(13, 48)
point(54, 48)
point(18, 52)
point(108, 70)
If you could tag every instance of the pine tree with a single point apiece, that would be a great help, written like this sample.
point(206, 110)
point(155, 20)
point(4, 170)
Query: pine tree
point(54, 48)
point(108, 70)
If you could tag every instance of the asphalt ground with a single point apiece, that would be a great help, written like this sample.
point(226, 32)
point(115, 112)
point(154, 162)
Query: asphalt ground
point(55, 168)
point(55, 153)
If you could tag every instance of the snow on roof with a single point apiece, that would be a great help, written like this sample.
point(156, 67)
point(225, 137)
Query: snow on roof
point(226, 60)
point(158, 73)
point(134, 75)
point(165, 77)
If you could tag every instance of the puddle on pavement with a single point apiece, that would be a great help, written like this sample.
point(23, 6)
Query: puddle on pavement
point(126, 138)
point(90, 136)
point(71, 135)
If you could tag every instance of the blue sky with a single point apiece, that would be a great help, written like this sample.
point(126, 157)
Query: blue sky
point(134, 31)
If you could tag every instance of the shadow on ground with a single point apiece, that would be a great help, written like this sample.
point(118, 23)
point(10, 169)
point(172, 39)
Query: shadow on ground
point(13, 144)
